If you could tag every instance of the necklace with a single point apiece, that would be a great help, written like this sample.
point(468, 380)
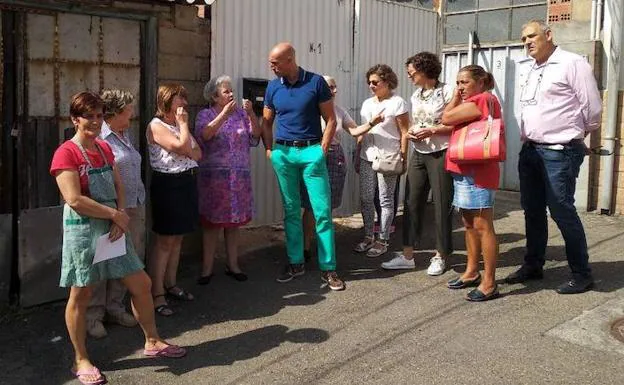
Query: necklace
point(425, 95)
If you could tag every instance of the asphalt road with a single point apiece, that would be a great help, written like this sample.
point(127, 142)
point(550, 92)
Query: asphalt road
point(399, 327)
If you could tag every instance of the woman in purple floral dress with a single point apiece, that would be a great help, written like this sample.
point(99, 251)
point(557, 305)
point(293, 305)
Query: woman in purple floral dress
point(226, 133)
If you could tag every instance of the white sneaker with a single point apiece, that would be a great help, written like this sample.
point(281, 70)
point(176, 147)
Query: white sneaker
point(436, 266)
point(399, 262)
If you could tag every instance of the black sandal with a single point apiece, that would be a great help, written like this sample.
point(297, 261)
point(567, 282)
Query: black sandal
point(240, 277)
point(164, 310)
point(204, 280)
point(457, 283)
point(181, 294)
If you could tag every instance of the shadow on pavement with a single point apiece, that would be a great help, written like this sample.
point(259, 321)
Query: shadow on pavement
point(226, 351)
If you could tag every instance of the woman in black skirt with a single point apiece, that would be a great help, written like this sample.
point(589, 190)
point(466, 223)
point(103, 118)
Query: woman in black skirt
point(173, 156)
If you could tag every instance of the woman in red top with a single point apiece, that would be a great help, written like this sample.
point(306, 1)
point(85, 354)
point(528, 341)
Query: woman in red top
point(88, 179)
point(475, 183)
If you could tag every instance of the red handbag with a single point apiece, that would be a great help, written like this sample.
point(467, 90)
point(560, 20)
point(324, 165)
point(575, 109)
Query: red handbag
point(481, 141)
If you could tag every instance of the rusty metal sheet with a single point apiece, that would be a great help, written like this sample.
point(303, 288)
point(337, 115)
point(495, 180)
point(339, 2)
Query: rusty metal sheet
point(121, 41)
point(74, 78)
point(40, 89)
point(40, 35)
point(78, 36)
point(128, 79)
point(6, 253)
point(40, 243)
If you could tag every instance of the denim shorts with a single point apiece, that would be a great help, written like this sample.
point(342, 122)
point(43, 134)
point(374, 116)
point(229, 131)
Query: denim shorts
point(470, 197)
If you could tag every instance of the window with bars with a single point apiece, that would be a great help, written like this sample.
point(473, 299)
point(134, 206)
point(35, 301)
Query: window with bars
point(491, 20)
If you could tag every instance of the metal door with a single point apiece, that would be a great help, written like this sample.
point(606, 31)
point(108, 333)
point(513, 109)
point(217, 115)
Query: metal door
point(57, 55)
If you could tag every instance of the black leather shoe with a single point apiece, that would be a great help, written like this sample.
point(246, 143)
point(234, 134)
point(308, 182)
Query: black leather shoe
point(457, 283)
point(525, 273)
point(576, 286)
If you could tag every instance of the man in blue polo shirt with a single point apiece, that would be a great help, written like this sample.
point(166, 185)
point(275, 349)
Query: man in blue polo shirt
point(298, 98)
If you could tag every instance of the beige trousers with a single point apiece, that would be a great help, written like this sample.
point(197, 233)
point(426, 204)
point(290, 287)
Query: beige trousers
point(108, 296)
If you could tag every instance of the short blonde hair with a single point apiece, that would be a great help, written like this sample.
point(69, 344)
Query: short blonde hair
point(165, 96)
point(115, 101)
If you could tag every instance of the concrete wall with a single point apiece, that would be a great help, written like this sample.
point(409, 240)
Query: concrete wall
point(618, 168)
point(183, 46)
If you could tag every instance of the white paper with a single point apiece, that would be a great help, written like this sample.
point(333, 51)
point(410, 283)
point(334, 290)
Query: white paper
point(105, 249)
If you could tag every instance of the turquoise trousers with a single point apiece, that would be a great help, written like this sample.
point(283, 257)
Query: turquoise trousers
point(292, 165)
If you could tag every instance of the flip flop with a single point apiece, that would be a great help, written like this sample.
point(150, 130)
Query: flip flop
point(90, 372)
point(169, 351)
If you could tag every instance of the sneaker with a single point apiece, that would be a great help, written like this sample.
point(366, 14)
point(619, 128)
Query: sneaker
point(290, 272)
point(399, 262)
point(123, 319)
point(332, 280)
point(96, 329)
point(436, 265)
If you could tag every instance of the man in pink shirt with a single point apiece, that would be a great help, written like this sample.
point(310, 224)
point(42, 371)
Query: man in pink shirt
point(560, 104)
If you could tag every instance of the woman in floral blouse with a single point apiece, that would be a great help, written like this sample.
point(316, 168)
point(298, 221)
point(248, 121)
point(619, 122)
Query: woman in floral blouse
point(225, 132)
point(425, 172)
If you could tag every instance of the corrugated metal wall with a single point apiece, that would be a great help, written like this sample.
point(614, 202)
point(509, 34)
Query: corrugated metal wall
point(502, 62)
point(389, 33)
point(327, 37)
point(321, 32)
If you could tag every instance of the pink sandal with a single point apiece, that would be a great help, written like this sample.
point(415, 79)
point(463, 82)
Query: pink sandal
point(90, 372)
point(170, 351)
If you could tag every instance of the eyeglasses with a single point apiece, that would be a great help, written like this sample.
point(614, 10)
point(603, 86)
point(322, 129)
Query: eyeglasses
point(374, 82)
point(525, 99)
point(92, 116)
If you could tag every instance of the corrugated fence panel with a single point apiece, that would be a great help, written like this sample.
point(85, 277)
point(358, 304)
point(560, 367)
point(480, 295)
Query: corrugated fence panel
point(321, 32)
point(389, 33)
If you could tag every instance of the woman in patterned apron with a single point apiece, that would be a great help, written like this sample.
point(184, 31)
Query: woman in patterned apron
point(85, 172)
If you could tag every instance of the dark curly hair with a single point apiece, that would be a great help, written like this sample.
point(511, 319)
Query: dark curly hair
point(427, 63)
point(385, 73)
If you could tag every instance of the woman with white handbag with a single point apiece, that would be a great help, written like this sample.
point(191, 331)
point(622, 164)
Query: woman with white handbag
point(383, 155)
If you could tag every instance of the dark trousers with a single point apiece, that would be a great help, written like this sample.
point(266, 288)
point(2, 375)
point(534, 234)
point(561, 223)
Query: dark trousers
point(426, 172)
point(548, 179)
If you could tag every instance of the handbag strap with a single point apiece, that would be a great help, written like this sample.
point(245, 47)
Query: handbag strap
point(490, 120)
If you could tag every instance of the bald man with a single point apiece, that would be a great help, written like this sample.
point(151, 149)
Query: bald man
point(296, 100)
